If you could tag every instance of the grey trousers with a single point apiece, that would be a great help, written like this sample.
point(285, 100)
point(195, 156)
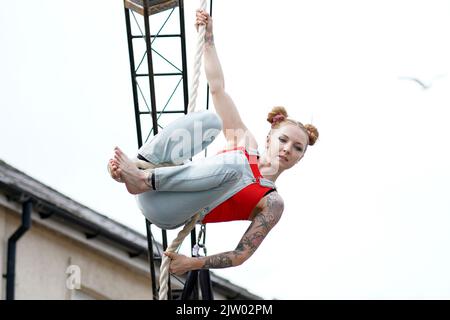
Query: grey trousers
point(198, 186)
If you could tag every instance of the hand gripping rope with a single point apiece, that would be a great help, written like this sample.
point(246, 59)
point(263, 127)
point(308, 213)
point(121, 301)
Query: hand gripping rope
point(164, 270)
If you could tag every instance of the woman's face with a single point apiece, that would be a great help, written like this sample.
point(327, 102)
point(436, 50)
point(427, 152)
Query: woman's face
point(286, 145)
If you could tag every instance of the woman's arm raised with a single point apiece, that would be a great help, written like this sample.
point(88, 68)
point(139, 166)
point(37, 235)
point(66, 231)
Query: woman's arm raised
point(234, 129)
point(262, 223)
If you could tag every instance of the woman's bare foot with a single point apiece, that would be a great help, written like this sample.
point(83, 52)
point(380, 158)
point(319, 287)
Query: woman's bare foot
point(112, 169)
point(135, 179)
point(113, 166)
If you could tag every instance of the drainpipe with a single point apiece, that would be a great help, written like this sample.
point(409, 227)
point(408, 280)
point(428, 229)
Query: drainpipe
point(12, 241)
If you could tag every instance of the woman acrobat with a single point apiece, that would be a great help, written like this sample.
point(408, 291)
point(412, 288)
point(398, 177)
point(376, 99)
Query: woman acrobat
point(235, 184)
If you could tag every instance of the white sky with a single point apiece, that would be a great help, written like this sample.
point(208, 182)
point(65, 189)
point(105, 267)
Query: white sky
point(368, 209)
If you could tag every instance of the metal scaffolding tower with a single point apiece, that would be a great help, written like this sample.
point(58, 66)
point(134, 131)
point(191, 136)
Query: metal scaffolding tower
point(159, 84)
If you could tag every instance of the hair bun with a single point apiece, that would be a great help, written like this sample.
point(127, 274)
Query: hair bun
point(278, 114)
point(313, 134)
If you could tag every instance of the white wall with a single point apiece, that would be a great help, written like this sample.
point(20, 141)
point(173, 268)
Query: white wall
point(43, 257)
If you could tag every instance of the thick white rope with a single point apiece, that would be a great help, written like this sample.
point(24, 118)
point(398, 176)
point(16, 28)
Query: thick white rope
point(164, 270)
point(197, 63)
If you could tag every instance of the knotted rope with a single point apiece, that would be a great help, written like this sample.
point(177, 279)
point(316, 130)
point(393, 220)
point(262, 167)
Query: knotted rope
point(164, 270)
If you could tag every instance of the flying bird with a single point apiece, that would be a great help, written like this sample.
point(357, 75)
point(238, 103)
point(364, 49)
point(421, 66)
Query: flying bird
point(424, 84)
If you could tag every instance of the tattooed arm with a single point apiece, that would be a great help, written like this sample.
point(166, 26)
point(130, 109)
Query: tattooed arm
point(261, 224)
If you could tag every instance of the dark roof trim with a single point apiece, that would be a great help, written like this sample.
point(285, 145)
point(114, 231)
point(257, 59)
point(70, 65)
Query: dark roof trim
point(49, 202)
point(20, 187)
